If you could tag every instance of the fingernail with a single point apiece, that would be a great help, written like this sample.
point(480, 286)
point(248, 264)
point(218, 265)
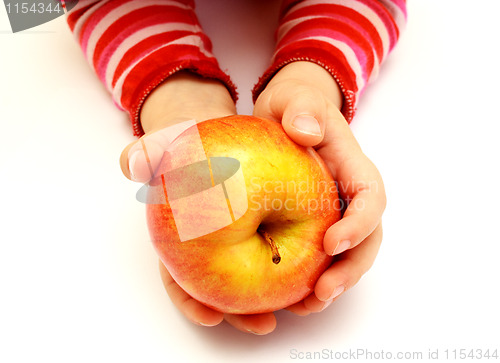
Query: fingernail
point(338, 290)
point(327, 304)
point(251, 331)
point(341, 247)
point(131, 163)
point(209, 325)
point(307, 125)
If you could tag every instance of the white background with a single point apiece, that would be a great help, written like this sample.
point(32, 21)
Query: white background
point(79, 278)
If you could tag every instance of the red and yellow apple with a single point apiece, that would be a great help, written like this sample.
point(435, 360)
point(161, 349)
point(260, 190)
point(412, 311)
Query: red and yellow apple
point(270, 253)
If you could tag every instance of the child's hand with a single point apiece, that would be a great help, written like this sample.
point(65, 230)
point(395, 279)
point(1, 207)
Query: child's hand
point(181, 98)
point(306, 100)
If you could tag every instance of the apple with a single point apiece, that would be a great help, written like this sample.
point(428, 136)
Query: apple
point(243, 214)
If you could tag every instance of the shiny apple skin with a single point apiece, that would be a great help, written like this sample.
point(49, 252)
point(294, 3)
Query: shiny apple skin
point(231, 270)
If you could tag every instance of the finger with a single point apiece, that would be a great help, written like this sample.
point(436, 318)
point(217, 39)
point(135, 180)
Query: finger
point(299, 309)
point(259, 324)
point(314, 305)
point(367, 201)
point(302, 110)
point(189, 307)
point(349, 268)
point(311, 304)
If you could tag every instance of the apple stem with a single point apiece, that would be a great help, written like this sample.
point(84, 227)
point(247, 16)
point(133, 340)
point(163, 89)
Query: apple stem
point(274, 248)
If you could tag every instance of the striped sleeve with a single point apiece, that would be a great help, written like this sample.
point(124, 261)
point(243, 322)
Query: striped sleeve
point(134, 45)
point(349, 38)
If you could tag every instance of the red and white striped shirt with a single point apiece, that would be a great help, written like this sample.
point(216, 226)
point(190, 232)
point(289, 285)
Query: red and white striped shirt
point(134, 45)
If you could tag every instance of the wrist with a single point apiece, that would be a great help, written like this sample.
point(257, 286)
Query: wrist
point(185, 96)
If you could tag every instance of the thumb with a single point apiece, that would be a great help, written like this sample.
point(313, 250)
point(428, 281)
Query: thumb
point(301, 110)
point(141, 159)
point(305, 128)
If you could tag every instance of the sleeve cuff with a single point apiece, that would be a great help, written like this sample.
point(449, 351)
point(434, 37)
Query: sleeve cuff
point(323, 58)
point(138, 86)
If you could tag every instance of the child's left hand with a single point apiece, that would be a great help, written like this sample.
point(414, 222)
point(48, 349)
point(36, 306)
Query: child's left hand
point(306, 100)
point(184, 96)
